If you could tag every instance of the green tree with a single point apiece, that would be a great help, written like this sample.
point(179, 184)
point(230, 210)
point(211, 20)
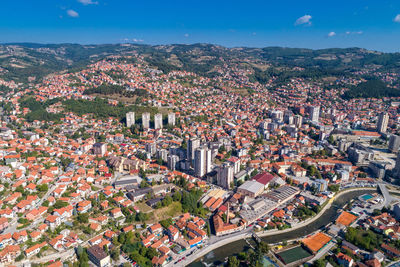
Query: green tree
point(319, 263)
point(83, 218)
point(115, 254)
point(233, 261)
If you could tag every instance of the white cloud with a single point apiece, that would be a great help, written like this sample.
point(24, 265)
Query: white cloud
point(88, 2)
point(72, 13)
point(186, 35)
point(397, 18)
point(331, 34)
point(306, 19)
point(354, 33)
point(137, 40)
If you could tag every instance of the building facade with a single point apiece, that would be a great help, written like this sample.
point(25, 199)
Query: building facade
point(146, 120)
point(130, 119)
point(171, 119)
point(383, 120)
point(158, 121)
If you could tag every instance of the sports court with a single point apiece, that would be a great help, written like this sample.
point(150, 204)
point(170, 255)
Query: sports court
point(293, 254)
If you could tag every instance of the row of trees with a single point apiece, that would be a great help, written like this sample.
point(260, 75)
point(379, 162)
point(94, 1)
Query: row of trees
point(250, 257)
point(98, 107)
point(371, 88)
point(111, 89)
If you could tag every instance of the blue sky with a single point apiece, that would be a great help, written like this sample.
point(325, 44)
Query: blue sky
point(312, 24)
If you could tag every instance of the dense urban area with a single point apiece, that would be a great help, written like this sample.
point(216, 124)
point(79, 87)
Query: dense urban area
point(138, 155)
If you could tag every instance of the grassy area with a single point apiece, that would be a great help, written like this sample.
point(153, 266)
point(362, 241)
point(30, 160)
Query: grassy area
point(173, 210)
point(363, 238)
point(120, 98)
point(240, 91)
point(143, 207)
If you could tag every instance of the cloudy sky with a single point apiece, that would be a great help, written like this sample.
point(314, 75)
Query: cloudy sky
point(312, 24)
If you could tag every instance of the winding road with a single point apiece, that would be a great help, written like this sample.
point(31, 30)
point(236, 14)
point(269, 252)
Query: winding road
point(216, 242)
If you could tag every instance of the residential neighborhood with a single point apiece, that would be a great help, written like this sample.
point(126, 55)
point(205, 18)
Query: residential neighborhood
point(122, 164)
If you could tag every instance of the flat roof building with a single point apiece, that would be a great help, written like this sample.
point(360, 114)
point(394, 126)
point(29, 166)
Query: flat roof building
point(98, 256)
point(251, 188)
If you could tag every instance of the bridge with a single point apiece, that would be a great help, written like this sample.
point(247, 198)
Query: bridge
point(255, 237)
point(388, 198)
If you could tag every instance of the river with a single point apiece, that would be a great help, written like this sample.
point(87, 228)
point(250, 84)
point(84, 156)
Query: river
point(218, 255)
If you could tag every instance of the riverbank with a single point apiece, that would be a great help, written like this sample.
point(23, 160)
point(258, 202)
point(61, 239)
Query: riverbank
point(247, 233)
point(316, 217)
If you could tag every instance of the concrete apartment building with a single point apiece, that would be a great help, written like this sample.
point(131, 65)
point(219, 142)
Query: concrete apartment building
point(146, 120)
point(158, 121)
point(192, 145)
point(130, 119)
point(394, 143)
point(171, 119)
point(202, 161)
point(314, 113)
point(225, 174)
point(383, 120)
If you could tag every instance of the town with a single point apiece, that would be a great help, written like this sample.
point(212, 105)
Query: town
point(123, 164)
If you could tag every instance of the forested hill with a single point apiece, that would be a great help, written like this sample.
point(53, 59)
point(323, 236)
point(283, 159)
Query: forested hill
point(23, 60)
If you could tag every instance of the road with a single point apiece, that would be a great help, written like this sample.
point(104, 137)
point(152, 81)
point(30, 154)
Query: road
point(12, 227)
point(385, 193)
point(322, 252)
point(63, 256)
point(215, 242)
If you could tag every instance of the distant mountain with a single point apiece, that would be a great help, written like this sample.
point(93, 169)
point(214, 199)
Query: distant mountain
point(19, 61)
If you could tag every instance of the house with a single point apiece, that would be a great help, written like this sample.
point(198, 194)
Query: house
point(34, 249)
point(57, 242)
point(9, 253)
point(95, 226)
point(56, 264)
point(5, 239)
point(156, 228)
point(391, 251)
point(84, 206)
point(350, 247)
point(3, 223)
point(164, 250)
point(53, 221)
point(100, 219)
point(172, 232)
point(148, 240)
point(98, 256)
point(110, 234)
point(116, 213)
point(127, 229)
point(373, 263)
point(195, 241)
point(159, 261)
point(196, 230)
point(20, 237)
point(344, 260)
point(35, 236)
point(64, 213)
